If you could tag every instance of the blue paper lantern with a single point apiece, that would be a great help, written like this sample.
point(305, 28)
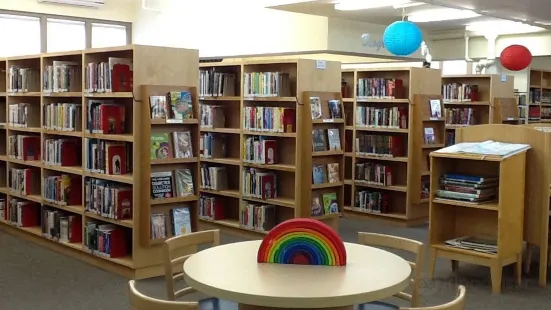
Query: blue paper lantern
point(402, 38)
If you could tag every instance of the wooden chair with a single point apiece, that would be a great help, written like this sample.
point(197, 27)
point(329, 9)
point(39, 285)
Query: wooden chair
point(177, 244)
point(139, 301)
point(457, 304)
point(399, 243)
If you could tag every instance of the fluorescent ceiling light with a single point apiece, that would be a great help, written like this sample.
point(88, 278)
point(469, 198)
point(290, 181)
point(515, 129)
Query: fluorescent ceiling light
point(441, 15)
point(502, 27)
point(407, 5)
point(353, 5)
point(543, 23)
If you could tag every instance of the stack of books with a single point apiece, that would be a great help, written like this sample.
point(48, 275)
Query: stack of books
point(474, 243)
point(467, 188)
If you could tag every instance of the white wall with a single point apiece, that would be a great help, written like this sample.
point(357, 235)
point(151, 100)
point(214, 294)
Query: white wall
point(229, 28)
point(117, 10)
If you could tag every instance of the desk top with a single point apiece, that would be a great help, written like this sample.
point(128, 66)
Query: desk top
point(231, 272)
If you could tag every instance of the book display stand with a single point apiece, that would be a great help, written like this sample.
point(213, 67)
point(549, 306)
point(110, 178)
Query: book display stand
point(468, 99)
point(71, 161)
point(382, 182)
point(262, 170)
point(499, 183)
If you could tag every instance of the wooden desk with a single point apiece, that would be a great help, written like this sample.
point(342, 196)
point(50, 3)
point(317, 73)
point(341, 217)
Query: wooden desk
point(231, 272)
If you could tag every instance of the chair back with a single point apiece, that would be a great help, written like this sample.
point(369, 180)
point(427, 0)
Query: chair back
point(139, 301)
point(408, 245)
point(457, 304)
point(173, 260)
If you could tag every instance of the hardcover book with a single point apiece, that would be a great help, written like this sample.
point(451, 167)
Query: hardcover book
point(182, 144)
point(318, 140)
point(330, 203)
point(335, 108)
point(161, 185)
point(318, 174)
point(181, 104)
point(158, 106)
point(181, 221)
point(315, 107)
point(160, 146)
point(184, 183)
point(334, 139)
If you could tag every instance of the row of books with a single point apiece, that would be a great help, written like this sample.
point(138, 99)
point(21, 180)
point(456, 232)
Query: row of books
point(175, 106)
point(21, 181)
point(108, 199)
point(61, 226)
point(266, 84)
point(24, 147)
point(211, 208)
point(378, 88)
point(212, 116)
point(328, 110)
point(105, 117)
point(177, 222)
point(63, 116)
point(21, 79)
point(212, 145)
point(114, 75)
point(61, 76)
point(260, 150)
point(380, 145)
point(460, 116)
point(177, 144)
point(326, 140)
point(394, 117)
point(324, 204)
point(19, 113)
point(373, 201)
point(162, 184)
point(459, 92)
point(269, 119)
point(468, 188)
point(214, 178)
point(108, 157)
point(259, 184)
point(373, 173)
point(259, 217)
point(63, 190)
point(325, 173)
point(106, 240)
point(62, 152)
point(216, 84)
point(19, 212)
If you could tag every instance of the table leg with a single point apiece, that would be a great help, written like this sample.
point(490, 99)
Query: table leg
point(249, 307)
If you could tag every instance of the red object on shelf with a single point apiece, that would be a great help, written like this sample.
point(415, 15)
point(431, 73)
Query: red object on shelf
point(515, 57)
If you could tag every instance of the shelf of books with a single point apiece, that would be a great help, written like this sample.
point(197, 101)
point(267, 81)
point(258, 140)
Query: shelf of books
point(469, 99)
point(539, 96)
point(477, 206)
point(251, 137)
point(385, 137)
point(72, 180)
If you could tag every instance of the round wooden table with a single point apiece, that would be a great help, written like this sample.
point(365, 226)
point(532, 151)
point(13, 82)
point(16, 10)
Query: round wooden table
point(231, 272)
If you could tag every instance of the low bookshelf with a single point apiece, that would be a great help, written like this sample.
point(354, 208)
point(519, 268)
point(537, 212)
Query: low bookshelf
point(71, 157)
point(469, 99)
point(256, 138)
point(477, 210)
point(385, 111)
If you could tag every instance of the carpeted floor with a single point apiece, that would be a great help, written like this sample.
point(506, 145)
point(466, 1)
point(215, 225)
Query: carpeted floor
point(32, 277)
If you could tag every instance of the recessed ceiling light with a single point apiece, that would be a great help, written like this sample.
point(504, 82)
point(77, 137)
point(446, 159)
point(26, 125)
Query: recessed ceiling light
point(502, 27)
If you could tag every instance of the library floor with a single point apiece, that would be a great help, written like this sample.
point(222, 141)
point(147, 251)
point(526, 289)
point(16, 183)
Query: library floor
point(32, 277)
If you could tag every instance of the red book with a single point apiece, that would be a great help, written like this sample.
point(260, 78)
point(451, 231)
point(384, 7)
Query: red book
point(75, 229)
point(388, 175)
point(267, 183)
point(122, 78)
point(117, 243)
point(116, 159)
point(29, 214)
point(403, 117)
point(289, 117)
point(123, 204)
point(218, 211)
point(396, 148)
point(28, 181)
point(270, 152)
point(112, 118)
point(70, 153)
point(31, 148)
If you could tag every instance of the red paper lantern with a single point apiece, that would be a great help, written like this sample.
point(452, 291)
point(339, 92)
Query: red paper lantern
point(515, 57)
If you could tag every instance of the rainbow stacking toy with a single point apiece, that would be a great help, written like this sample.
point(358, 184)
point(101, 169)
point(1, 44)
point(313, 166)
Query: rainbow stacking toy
point(302, 241)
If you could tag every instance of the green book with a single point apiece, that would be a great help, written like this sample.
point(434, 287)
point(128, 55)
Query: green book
point(160, 146)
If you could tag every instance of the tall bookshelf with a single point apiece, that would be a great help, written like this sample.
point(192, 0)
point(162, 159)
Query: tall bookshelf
point(539, 96)
point(469, 99)
point(234, 199)
point(407, 205)
point(135, 65)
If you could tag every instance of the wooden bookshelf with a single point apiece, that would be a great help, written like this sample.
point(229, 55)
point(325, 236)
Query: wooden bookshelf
point(506, 111)
point(539, 96)
point(324, 158)
point(480, 105)
point(500, 219)
point(304, 75)
point(407, 206)
point(150, 66)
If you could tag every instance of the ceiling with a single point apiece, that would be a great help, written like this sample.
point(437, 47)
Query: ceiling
point(348, 59)
point(492, 10)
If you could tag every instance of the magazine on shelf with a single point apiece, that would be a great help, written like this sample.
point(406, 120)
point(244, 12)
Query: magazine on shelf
point(485, 148)
point(474, 244)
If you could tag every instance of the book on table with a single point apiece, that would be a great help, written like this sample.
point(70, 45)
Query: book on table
point(485, 148)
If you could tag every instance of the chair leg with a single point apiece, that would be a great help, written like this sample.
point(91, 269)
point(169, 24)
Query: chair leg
point(432, 262)
point(518, 270)
point(528, 257)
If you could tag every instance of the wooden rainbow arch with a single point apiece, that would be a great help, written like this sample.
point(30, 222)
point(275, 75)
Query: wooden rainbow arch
point(302, 241)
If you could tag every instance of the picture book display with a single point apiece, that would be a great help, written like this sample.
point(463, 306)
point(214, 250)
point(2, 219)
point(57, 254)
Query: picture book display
point(326, 140)
point(171, 145)
point(325, 110)
point(376, 117)
point(325, 173)
point(176, 222)
point(435, 109)
point(468, 188)
point(429, 136)
point(174, 107)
